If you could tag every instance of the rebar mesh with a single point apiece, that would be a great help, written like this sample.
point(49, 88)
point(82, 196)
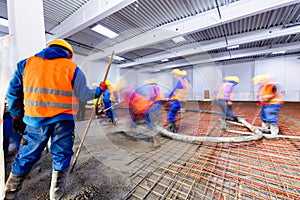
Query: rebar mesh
point(262, 169)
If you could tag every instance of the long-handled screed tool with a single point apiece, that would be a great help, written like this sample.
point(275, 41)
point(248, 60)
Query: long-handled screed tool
point(90, 119)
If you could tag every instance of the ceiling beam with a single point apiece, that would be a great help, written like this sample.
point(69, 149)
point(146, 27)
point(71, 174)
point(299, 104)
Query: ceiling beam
point(90, 13)
point(199, 47)
point(232, 12)
point(206, 58)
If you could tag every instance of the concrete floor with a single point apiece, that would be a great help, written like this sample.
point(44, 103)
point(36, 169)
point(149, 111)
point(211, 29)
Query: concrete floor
point(119, 162)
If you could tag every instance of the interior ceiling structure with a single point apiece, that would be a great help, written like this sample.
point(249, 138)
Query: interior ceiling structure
point(146, 29)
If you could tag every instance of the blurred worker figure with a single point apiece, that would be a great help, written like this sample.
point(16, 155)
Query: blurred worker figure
point(156, 96)
point(42, 103)
point(98, 103)
point(225, 96)
point(270, 101)
point(81, 110)
point(177, 96)
point(139, 106)
point(11, 140)
point(110, 99)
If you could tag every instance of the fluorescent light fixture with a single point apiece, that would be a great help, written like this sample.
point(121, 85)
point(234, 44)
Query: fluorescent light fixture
point(4, 22)
point(179, 39)
point(233, 47)
point(278, 52)
point(104, 31)
point(117, 58)
point(156, 70)
point(165, 60)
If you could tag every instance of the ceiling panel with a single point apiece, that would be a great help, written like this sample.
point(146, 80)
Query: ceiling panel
point(142, 16)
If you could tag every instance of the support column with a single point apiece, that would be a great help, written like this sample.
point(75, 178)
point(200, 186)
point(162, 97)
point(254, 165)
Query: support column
point(26, 23)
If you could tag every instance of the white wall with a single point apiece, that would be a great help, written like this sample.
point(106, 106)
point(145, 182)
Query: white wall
point(285, 71)
point(205, 77)
point(95, 72)
point(165, 80)
point(245, 71)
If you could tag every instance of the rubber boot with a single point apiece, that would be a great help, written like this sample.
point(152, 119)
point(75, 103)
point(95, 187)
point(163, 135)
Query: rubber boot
point(13, 185)
point(265, 127)
point(172, 127)
point(274, 129)
point(58, 184)
point(223, 125)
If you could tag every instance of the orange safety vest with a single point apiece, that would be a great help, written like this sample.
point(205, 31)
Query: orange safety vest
point(47, 87)
point(269, 95)
point(139, 104)
point(181, 93)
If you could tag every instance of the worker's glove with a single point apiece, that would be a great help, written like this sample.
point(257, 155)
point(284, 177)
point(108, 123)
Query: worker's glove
point(103, 86)
point(18, 125)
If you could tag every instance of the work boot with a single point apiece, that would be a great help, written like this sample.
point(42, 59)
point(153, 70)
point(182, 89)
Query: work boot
point(223, 125)
point(274, 129)
point(240, 119)
point(265, 127)
point(172, 127)
point(58, 184)
point(13, 185)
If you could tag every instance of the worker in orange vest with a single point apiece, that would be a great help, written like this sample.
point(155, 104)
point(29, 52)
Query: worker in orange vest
point(139, 106)
point(270, 101)
point(43, 101)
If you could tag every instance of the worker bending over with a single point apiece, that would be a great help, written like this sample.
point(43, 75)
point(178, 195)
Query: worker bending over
point(270, 101)
point(42, 103)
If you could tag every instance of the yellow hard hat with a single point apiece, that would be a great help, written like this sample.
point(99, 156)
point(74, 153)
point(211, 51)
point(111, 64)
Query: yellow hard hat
point(107, 82)
point(183, 73)
point(176, 71)
point(261, 78)
point(152, 81)
point(232, 78)
point(62, 43)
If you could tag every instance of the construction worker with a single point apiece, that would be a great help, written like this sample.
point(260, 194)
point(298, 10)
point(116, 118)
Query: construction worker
point(177, 97)
point(98, 103)
point(139, 106)
point(110, 98)
point(42, 103)
point(11, 140)
point(225, 96)
point(270, 101)
point(156, 96)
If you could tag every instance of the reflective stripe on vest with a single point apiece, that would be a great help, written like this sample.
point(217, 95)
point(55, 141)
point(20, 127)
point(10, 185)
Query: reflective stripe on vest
point(182, 93)
point(48, 87)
